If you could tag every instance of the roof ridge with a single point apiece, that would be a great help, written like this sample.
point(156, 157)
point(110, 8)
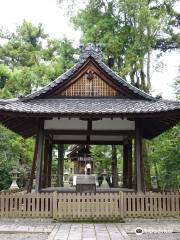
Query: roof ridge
point(89, 52)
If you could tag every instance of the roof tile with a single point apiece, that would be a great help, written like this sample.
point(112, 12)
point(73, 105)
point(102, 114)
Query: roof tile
point(90, 106)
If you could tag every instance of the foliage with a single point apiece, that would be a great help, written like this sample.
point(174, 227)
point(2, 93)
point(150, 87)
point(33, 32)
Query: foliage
point(14, 151)
point(177, 85)
point(128, 32)
point(164, 155)
point(29, 59)
point(102, 155)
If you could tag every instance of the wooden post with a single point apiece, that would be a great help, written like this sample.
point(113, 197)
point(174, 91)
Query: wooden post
point(114, 167)
point(130, 163)
point(46, 160)
point(39, 155)
point(138, 158)
point(60, 170)
point(125, 165)
point(50, 163)
point(29, 188)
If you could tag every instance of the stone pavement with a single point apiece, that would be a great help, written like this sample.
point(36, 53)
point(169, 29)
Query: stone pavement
point(34, 229)
point(89, 232)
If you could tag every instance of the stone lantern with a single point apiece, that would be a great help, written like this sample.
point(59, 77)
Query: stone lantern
point(104, 183)
point(14, 175)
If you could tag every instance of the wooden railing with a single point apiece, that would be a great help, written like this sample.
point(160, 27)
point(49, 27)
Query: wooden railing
point(89, 206)
point(151, 204)
point(21, 204)
point(92, 206)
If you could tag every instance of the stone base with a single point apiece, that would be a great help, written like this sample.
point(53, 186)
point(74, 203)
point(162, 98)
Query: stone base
point(86, 183)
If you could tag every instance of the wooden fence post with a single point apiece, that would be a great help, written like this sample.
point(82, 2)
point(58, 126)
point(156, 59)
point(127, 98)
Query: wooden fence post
point(121, 198)
point(54, 205)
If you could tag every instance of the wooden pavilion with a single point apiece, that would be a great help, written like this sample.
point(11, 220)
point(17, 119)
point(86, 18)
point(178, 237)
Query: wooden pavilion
point(89, 104)
point(80, 155)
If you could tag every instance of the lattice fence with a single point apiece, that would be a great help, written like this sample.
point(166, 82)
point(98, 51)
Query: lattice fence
point(151, 204)
point(92, 206)
point(21, 204)
point(89, 206)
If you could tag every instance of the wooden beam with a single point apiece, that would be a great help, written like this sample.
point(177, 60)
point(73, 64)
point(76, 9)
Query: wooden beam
point(163, 114)
point(89, 132)
point(85, 142)
point(39, 155)
point(89, 129)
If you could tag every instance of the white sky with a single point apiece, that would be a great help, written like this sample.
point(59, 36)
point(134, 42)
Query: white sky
point(47, 12)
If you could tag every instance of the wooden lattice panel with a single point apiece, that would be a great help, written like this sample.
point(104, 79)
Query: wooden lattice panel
point(90, 87)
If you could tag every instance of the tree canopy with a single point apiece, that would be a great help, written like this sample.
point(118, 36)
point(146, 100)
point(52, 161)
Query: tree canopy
point(128, 32)
point(29, 59)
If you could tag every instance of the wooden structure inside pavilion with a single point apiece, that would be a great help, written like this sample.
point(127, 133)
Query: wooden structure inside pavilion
point(80, 155)
point(89, 104)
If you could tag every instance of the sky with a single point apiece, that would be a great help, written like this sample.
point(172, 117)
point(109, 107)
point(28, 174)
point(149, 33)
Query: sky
point(56, 24)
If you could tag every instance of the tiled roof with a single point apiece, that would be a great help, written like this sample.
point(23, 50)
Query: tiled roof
point(6, 101)
point(90, 106)
point(89, 53)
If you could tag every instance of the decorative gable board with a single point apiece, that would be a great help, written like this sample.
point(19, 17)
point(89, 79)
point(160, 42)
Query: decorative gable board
point(89, 82)
point(88, 86)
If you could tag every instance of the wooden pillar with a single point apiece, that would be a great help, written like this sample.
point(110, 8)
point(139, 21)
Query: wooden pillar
point(114, 167)
point(50, 163)
point(40, 136)
point(30, 184)
point(130, 163)
point(138, 158)
point(125, 165)
point(60, 170)
point(46, 160)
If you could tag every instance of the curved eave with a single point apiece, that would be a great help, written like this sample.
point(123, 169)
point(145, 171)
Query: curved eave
point(153, 124)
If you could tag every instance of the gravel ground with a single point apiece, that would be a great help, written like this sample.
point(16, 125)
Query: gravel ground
point(24, 236)
point(155, 236)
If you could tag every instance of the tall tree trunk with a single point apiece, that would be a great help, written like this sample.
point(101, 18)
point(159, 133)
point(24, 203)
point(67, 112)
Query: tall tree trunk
point(157, 174)
point(148, 71)
point(148, 60)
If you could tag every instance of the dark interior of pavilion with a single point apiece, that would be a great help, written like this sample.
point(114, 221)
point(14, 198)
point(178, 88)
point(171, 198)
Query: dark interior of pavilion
point(105, 166)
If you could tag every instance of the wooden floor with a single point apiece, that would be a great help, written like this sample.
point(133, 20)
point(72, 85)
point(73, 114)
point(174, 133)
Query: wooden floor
point(73, 189)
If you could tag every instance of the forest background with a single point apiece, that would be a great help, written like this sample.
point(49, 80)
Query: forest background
point(129, 31)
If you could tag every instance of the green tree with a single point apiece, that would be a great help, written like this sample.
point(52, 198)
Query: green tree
point(177, 85)
point(164, 154)
point(128, 31)
point(14, 150)
point(102, 155)
point(29, 59)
